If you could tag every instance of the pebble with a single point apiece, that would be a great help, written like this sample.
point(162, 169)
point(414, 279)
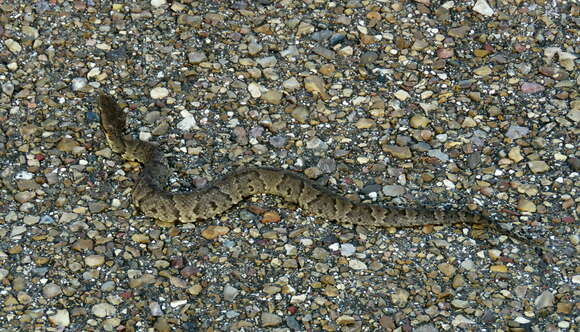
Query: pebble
point(213, 232)
point(483, 8)
point(51, 290)
point(13, 46)
point(398, 151)
point(531, 87)
point(544, 300)
point(61, 318)
point(270, 319)
point(273, 97)
point(102, 310)
point(196, 57)
point(538, 166)
point(419, 121)
point(79, 83)
point(159, 93)
point(94, 260)
point(394, 190)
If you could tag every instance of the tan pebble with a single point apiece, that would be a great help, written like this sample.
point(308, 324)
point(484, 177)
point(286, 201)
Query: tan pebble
point(213, 232)
point(525, 205)
point(272, 97)
point(94, 260)
point(327, 69)
point(482, 71)
point(140, 238)
point(365, 123)
point(538, 166)
point(345, 320)
point(399, 152)
point(498, 268)
point(419, 121)
point(402, 95)
point(447, 269)
point(316, 85)
point(468, 122)
point(195, 289)
point(270, 217)
point(13, 46)
point(515, 154)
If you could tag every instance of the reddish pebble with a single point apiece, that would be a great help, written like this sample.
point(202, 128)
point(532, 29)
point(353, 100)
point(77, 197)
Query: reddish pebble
point(568, 220)
point(39, 157)
point(531, 87)
point(292, 309)
point(270, 217)
point(445, 53)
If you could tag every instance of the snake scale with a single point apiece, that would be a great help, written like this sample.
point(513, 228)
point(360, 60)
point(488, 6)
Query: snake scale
point(185, 207)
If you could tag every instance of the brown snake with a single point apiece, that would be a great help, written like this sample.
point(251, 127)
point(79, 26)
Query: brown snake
point(221, 195)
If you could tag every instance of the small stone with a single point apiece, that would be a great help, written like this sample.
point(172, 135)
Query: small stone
point(460, 304)
point(158, 3)
point(291, 84)
point(355, 264)
point(13, 46)
point(196, 57)
point(51, 290)
point(445, 53)
point(531, 87)
point(499, 268)
point(316, 85)
point(270, 320)
point(347, 250)
point(272, 97)
point(482, 71)
point(546, 299)
point(230, 293)
point(461, 320)
point(17, 230)
point(400, 297)
point(515, 154)
point(94, 260)
point(345, 320)
point(78, 83)
point(213, 232)
point(270, 217)
point(483, 8)
point(447, 269)
point(300, 114)
point(61, 318)
point(525, 205)
point(365, 123)
point(468, 122)
point(398, 151)
point(515, 132)
point(419, 121)
point(103, 310)
point(538, 166)
point(402, 95)
point(159, 93)
point(394, 190)
point(267, 62)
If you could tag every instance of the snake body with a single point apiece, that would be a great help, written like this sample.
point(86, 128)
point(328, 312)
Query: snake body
point(191, 206)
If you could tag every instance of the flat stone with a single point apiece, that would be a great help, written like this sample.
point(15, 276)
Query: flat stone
point(538, 166)
point(13, 46)
point(272, 97)
point(316, 85)
point(94, 260)
point(526, 205)
point(213, 232)
point(544, 300)
point(159, 93)
point(419, 121)
point(196, 57)
point(399, 152)
point(483, 8)
point(60, 318)
point(394, 190)
point(270, 319)
point(102, 310)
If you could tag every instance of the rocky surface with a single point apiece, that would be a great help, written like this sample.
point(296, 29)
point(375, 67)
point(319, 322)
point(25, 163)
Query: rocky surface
point(457, 104)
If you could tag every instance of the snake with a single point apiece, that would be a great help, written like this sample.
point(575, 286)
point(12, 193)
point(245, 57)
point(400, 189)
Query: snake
point(150, 197)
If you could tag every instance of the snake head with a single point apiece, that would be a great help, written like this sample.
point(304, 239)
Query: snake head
point(113, 121)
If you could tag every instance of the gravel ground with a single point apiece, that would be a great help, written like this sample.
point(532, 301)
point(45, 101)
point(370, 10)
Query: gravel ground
point(460, 104)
